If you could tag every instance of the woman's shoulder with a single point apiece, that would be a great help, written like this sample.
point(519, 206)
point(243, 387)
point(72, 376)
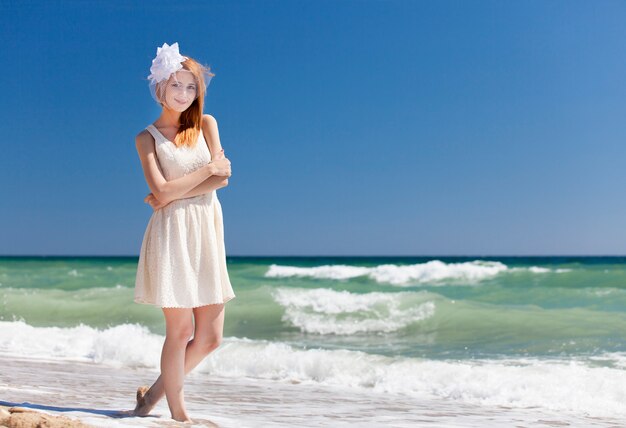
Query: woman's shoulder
point(208, 120)
point(144, 138)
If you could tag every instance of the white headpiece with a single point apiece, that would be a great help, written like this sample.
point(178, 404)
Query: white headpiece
point(167, 61)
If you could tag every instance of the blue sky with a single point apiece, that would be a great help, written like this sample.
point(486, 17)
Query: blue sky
point(353, 127)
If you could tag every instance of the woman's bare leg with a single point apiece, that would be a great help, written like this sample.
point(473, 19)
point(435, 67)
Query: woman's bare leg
point(178, 330)
point(207, 337)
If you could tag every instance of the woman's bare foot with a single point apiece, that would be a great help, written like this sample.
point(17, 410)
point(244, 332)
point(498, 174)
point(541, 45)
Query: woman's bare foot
point(185, 419)
point(144, 406)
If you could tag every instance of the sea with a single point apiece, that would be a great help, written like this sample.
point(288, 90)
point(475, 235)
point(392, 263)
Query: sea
point(333, 341)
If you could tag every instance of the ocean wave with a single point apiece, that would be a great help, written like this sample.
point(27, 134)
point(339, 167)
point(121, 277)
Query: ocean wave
point(557, 384)
point(122, 345)
point(579, 386)
point(434, 272)
point(430, 272)
point(326, 311)
point(538, 269)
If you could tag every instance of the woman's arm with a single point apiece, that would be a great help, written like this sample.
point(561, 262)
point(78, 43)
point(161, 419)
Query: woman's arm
point(167, 191)
point(212, 135)
point(212, 138)
point(210, 184)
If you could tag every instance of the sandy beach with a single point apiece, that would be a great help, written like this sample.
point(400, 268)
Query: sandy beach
point(21, 417)
point(98, 395)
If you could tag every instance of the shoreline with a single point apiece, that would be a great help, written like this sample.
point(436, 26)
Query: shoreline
point(97, 395)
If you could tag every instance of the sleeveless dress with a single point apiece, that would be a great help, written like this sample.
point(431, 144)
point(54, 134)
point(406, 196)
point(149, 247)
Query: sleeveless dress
point(182, 262)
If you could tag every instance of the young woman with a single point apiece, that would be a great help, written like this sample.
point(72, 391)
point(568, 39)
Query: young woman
point(182, 262)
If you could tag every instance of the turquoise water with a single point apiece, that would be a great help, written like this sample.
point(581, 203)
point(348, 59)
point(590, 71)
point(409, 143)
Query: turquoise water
point(435, 308)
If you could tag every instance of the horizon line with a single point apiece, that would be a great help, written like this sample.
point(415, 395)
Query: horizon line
point(327, 255)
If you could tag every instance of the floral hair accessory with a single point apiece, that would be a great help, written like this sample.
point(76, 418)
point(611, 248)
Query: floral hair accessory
point(167, 61)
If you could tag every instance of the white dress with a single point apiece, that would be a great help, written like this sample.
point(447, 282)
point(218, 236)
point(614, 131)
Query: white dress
point(182, 262)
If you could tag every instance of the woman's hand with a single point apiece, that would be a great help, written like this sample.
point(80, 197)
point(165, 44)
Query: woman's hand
point(221, 165)
point(154, 202)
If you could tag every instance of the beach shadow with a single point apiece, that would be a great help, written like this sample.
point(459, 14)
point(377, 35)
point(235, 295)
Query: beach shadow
point(117, 414)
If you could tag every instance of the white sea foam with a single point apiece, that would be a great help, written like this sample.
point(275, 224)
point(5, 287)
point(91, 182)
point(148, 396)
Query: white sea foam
point(434, 272)
point(575, 386)
point(125, 345)
point(322, 272)
point(326, 311)
point(553, 384)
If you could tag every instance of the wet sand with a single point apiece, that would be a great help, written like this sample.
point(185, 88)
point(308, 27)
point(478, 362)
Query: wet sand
point(101, 396)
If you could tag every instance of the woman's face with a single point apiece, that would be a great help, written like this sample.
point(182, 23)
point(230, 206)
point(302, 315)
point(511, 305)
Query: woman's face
point(181, 91)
